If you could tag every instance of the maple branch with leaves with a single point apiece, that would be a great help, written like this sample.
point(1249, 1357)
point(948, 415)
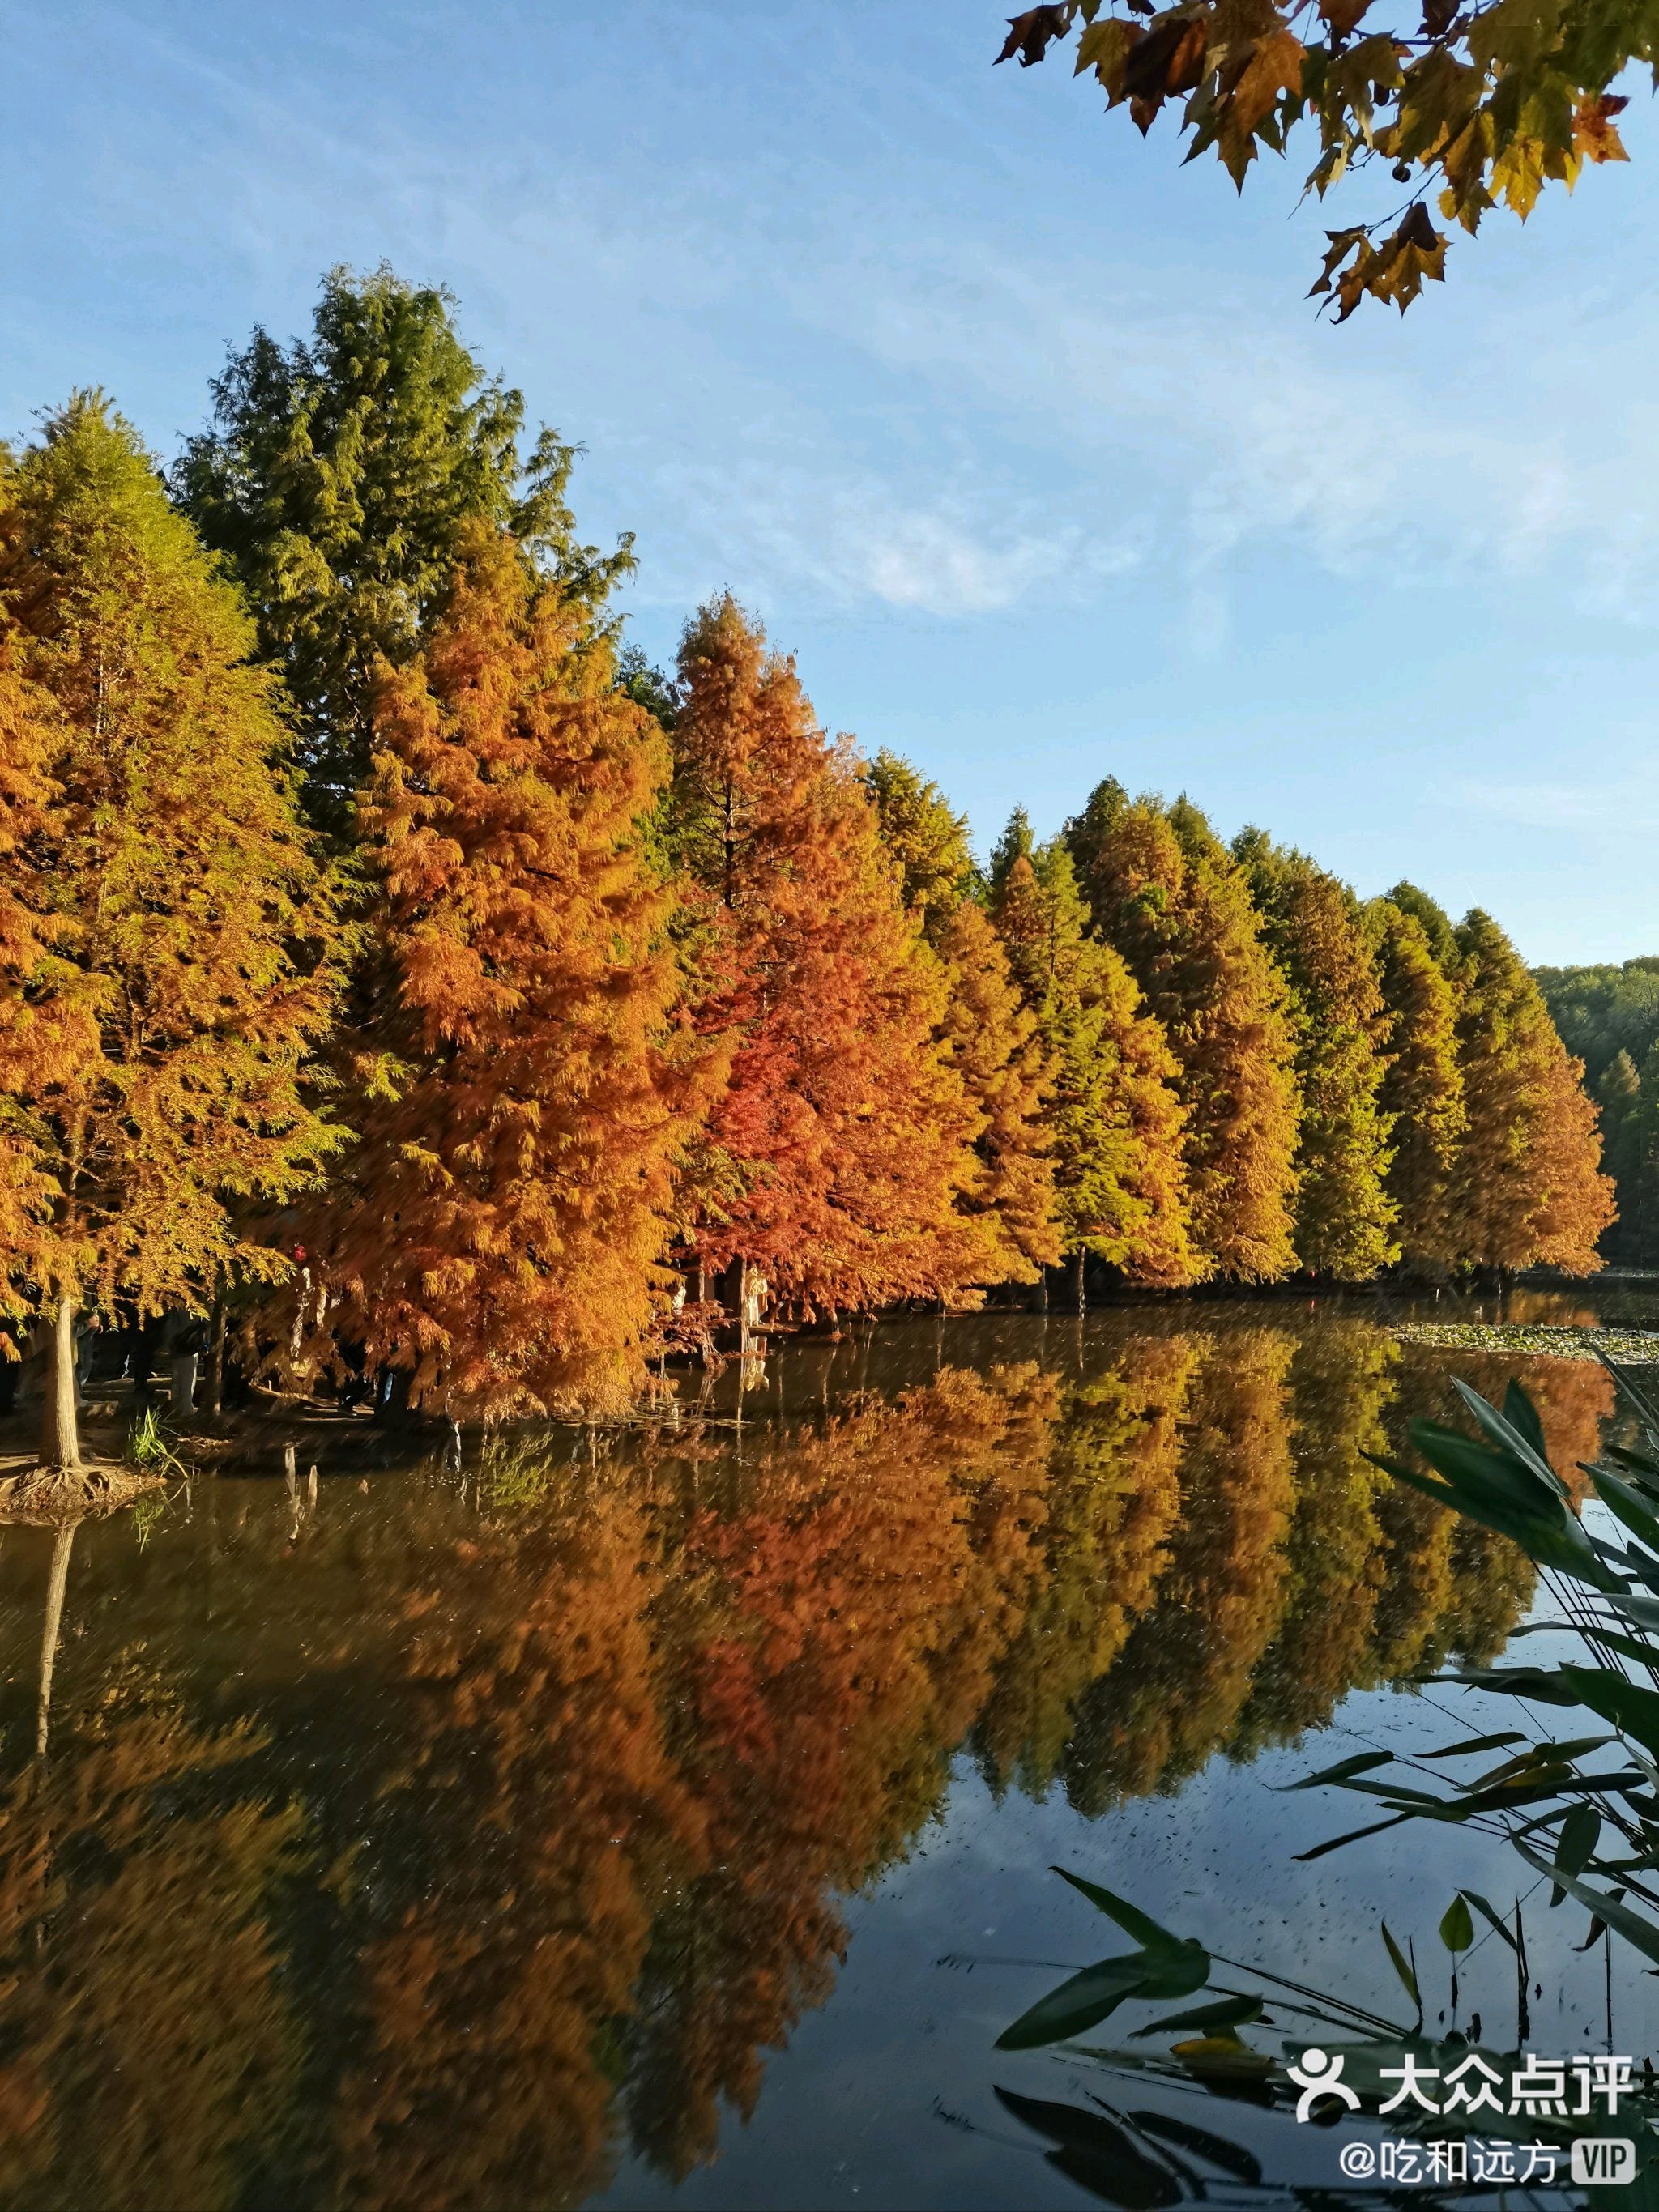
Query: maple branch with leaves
point(1481, 106)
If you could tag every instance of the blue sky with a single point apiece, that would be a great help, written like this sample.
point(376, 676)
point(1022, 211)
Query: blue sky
point(1019, 435)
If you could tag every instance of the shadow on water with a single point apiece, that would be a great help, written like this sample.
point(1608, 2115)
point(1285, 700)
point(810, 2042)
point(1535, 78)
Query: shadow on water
point(474, 1841)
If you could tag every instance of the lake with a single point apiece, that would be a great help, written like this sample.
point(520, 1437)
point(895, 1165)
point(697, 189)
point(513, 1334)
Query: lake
point(666, 1817)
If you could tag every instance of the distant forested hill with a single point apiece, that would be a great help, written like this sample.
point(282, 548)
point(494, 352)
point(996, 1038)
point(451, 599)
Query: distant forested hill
point(1608, 1017)
point(1602, 1011)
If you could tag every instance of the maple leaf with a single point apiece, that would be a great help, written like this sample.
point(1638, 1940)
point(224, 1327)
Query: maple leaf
point(1502, 97)
point(1030, 34)
point(1517, 174)
point(1273, 65)
point(1594, 136)
point(1105, 48)
point(1169, 59)
point(1342, 244)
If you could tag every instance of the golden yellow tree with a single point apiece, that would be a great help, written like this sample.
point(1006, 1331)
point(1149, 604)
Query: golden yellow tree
point(166, 930)
point(1313, 926)
point(1168, 896)
point(1114, 1120)
point(996, 1050)
point(1527, 1190)
point(1422, 1087)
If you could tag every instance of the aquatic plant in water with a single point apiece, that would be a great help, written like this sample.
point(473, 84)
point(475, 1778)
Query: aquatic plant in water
point(1581, 1811)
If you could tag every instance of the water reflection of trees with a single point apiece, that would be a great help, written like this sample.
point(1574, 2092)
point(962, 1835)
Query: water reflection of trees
point(576, 1862)
point(148, 2048)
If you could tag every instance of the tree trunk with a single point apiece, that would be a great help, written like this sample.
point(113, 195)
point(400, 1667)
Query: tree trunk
point(213, 1398)
point(60, 1431)
point(1079, 1284)
point(49, 1634)
point(1039, 1292)
point(744, 1346)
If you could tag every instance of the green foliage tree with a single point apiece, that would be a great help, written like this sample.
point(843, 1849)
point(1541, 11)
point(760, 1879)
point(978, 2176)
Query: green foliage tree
point(1422, 1086)
point(1468, 108)
point(927, 838)
point(1619, 1095)
point(1642, 1238)
point(167, 933)
point(1345, 1218)
point(1166, 892)
point(1114, 1117)
point(1436, 922)
point(338, 479)
point(1602, 1011)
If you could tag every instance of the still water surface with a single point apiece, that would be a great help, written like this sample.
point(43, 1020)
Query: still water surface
point(671, 1828)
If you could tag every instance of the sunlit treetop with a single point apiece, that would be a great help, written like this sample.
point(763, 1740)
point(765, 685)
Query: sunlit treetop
point(1466, 108)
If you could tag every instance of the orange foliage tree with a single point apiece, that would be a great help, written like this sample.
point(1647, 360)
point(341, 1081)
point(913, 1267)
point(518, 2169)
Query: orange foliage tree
point(522, 1095)
point(840, 1144)
point(1527, 1190)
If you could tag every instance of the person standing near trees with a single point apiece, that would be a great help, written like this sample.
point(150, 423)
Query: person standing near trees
point(168, 936)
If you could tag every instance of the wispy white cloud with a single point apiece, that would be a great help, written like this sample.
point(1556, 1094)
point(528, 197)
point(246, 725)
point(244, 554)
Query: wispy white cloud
point(1627, 807)
point(775, 528)
point(841, 405)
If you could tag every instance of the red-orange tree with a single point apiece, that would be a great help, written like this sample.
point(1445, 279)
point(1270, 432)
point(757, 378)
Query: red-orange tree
point(522, 1098)
point(840, 1143)
point(164, 925)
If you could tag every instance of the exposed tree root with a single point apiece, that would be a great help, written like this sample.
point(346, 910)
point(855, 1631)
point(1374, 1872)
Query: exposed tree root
point(54, 1494)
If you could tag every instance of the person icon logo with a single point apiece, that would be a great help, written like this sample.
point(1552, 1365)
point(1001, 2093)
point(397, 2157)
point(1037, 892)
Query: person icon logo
point(1319, 2076)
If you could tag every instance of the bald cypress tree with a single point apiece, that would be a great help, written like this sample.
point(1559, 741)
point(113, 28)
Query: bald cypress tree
point(839, 1146)
point(497, 1231)
point(1437, 924)
point(167, 931)
point(927, 839)
point(1527, 1188)
point(997, 1052)
point(1168, 896)
point(1422, 1085)
point(988, 1032)
point(1113, 1115)
point(1313, 925)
